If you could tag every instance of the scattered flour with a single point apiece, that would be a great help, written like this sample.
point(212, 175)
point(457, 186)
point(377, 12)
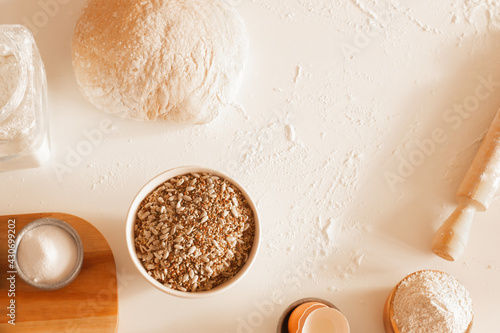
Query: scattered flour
point(298, 74)
point(475, 12)
point(290, 132)
point(320, 186)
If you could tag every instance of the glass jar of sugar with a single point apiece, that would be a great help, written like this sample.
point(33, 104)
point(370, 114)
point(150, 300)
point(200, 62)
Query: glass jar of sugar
point(49, 254)
point(24, 138)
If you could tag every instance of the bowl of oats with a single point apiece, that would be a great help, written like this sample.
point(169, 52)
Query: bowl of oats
point(192, 232)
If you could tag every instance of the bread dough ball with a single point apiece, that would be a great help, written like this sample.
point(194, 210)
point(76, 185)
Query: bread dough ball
point(175, 60)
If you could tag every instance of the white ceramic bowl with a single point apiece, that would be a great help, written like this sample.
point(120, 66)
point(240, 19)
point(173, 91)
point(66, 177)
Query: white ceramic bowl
point(131, 217)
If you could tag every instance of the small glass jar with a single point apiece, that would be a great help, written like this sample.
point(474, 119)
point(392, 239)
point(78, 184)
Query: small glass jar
point(24, 131)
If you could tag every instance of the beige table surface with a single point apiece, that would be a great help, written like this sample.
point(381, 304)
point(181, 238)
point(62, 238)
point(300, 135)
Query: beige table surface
point(333, 135)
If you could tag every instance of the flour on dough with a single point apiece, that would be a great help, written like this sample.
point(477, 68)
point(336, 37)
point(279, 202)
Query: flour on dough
point(177, 60)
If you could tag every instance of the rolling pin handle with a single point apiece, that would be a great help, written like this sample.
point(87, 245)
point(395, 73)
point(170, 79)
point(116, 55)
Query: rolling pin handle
point(451, 238)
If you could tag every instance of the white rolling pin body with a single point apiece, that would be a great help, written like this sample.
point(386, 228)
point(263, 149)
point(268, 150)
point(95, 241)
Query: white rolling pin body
point(482, 180)
point(475, 193)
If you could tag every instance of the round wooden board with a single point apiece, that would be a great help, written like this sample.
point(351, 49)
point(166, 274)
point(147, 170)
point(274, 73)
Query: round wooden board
point(88, 304)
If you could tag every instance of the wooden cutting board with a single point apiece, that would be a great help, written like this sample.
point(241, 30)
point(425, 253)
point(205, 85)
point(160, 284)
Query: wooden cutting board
point(88, 304)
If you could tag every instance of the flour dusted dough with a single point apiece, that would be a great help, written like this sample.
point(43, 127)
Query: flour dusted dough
point(160, 59)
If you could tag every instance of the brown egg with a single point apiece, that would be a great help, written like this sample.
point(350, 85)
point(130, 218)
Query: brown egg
point(300, 314)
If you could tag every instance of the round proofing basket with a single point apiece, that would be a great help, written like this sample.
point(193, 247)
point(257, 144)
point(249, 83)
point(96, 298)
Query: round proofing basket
point(150, 187)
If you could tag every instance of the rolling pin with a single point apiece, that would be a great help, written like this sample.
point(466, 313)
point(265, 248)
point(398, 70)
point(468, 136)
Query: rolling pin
point(475, 193)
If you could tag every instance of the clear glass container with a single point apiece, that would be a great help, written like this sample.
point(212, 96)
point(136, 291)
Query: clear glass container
point(24, 132)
